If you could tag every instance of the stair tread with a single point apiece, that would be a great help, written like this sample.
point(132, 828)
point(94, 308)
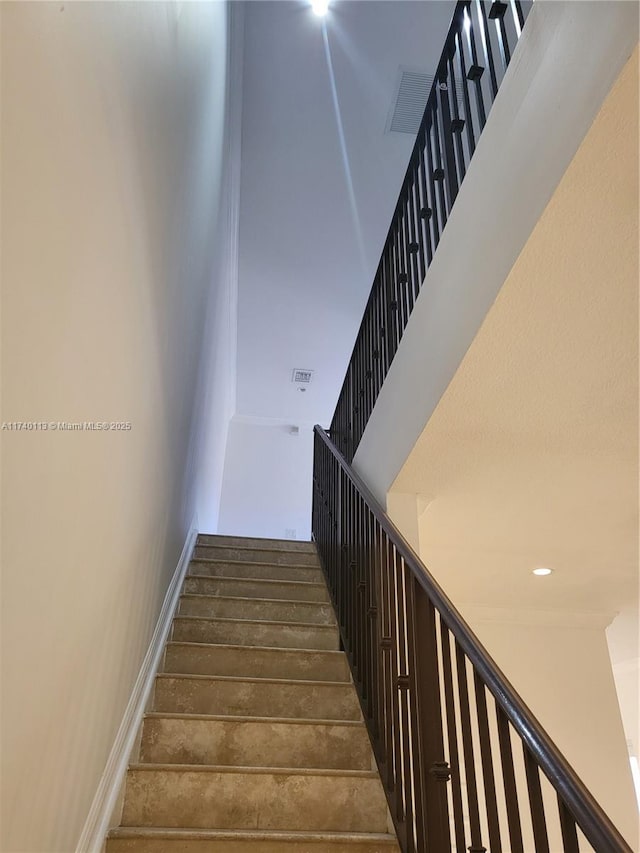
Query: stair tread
point(250, 598)
point(245, 834)
point(253, 771)
point(217, 619)
point(224, 718)
point(242, 648)
point(253, 679)
point(266, 581)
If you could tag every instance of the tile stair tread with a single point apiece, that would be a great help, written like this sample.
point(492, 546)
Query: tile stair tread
point(253, 679)
point(246, 834)
point(224, 718)
point(243, 649)
point(256, 621)
point(253, 771)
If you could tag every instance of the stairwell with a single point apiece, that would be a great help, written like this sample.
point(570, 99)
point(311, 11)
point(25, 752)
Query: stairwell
point(255, 741)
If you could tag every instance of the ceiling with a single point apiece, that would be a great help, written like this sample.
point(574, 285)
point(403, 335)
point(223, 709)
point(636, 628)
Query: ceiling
point(531, 456)
point(320, 179)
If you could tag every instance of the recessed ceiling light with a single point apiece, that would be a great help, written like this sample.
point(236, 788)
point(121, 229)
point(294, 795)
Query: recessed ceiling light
point(542, 572)
point(320, 7)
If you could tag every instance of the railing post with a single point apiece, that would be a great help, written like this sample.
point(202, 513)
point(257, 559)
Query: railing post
point(434, 768)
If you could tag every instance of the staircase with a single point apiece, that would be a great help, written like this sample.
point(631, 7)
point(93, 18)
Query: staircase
point(255, 742)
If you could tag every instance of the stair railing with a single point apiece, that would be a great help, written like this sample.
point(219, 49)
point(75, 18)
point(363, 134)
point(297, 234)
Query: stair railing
point(464, 763)
point(477, 52)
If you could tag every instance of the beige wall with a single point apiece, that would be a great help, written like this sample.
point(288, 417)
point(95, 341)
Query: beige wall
point(113, 122)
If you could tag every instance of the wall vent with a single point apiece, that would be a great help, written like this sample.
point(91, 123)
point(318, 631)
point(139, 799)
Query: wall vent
point(301, 377)
point(410, 99)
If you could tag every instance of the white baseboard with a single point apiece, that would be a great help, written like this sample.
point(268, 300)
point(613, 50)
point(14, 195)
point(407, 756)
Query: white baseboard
point(97, 823)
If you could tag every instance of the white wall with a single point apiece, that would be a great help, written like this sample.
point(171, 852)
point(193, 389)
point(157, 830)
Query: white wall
point(266, 490)
point(113, 123)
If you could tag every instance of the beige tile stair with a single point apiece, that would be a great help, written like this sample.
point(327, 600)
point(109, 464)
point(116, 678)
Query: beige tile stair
point(255, 742)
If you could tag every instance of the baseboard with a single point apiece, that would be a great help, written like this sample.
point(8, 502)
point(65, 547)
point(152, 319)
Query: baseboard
point(97, 823)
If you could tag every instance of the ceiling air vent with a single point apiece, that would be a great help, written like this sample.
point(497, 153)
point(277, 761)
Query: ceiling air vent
point(410, 99)
point(301, 377)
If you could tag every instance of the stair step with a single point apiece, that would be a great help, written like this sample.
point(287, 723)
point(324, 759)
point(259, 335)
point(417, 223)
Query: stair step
point(256, 662)
point(214, 797)
point(236, 607)
point(255, 742)
point(259, 555)
point(256, 543)
point(244, 632)
point(162, 840)
point(255, 697)
point(248, 569)
point(284, 590)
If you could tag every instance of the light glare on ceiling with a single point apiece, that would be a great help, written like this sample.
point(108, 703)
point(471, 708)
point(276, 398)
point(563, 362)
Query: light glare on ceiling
point(542, 572)
point(320, 7)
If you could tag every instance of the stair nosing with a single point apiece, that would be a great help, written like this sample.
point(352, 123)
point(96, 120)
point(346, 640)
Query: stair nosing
point(149, 767)
point(248, 834)
point(253, 648)
point(243, 718)
point(258, 621)
point(254, 679)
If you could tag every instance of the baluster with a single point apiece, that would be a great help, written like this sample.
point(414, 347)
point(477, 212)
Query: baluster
point(434, 770)
point(491, 803)
point(536, 804)
point(486, 45)
point(509, 780)
point(476, 70)
point(452, 740)
point(438, 172)
point(496, 13)
point(457, 124)
point(469, 761)
point(568, 828)
point(444, 113)
point(425, 213)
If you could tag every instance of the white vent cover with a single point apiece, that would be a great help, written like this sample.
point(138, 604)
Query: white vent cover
point(301, 377)
point(410, 99)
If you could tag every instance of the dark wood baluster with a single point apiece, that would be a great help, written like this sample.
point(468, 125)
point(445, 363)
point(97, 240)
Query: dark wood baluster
point(468, 117)
point(536, 804)
point(416, 757)
point(509, 780)
point(417, 262)
point(568, 829)
point(402, 688)
point(395, 693)
point(469, 761)
point(491, 803)
point(518, 16)
point(435, 770)
point(406, 257)
point(452, 740)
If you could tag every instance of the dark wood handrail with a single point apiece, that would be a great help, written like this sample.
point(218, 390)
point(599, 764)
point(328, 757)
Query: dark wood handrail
point(587, 813)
